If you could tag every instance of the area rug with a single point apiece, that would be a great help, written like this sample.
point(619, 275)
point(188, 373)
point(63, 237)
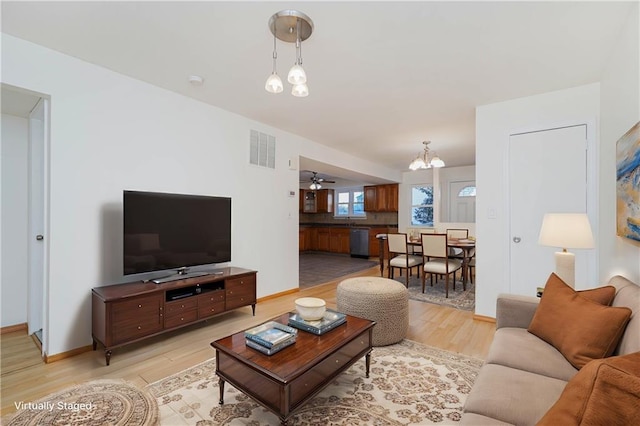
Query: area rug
point(409, 384)
point(99, 402)
point(316, 268)
point(458, 298)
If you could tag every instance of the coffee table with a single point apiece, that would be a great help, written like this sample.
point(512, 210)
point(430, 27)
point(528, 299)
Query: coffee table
point(286, 380)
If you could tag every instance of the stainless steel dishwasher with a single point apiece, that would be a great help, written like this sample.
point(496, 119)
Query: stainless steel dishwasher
point(359, 242)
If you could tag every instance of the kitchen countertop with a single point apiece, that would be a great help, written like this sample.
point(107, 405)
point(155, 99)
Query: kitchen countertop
point(347, 225)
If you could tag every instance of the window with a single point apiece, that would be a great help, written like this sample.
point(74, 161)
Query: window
point(467, 191)
point(350, 202)
point(422, 205)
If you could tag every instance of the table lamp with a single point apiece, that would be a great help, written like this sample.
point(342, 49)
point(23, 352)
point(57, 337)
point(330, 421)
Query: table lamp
point(566, 230)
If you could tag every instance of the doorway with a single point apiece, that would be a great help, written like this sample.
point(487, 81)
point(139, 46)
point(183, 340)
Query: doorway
point(24, 283)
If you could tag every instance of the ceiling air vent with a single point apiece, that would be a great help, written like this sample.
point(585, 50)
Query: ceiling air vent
point(262, 151)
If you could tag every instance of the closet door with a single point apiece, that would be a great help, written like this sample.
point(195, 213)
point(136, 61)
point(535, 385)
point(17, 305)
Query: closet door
point(547, 174)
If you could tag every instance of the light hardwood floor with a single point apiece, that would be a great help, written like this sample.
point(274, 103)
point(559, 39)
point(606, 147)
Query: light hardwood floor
point(25, 377)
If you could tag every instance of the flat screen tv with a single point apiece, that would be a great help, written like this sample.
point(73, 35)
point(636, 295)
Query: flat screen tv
point(174, 231)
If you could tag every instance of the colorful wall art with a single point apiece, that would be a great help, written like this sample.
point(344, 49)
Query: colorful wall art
point(628, 184)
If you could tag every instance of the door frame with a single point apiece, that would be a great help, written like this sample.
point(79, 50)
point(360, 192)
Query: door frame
point(44, 103)
point(591, 187)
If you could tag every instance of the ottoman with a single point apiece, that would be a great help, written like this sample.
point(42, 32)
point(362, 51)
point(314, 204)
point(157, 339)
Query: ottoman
point(377, 299)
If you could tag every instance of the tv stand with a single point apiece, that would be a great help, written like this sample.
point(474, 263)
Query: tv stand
point(126, 313)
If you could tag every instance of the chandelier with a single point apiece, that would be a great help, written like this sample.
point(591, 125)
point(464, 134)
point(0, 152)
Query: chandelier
point(426, 160)
point(291, 26)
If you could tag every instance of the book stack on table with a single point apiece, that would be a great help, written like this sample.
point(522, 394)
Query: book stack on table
point(329, 321)
point(270, 337)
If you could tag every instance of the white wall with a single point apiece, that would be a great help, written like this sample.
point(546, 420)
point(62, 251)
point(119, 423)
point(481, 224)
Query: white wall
point(14, 228)
point(620, 106)
point(110, 132)
point(494, 124)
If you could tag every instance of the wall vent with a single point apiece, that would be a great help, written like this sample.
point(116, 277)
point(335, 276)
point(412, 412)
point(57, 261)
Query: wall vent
point(262, 150)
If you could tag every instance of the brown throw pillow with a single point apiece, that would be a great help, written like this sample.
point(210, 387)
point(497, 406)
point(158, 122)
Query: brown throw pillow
point(605, 392)
point(579, 328)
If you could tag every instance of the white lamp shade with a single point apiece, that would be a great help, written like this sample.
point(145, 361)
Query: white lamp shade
point(297, 75)
point(566, 230)
point(273, 84)
point(436, 162)
point(315, 186)
point(300, 90)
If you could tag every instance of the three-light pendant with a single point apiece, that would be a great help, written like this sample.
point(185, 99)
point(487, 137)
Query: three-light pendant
point(290, 26)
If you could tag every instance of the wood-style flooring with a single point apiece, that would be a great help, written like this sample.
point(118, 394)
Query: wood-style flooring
point(25, 377)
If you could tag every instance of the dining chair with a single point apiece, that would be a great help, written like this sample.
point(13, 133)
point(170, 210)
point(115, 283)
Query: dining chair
point(400, 256)
point(436, 260)
point(471, 264)
point(457, 233)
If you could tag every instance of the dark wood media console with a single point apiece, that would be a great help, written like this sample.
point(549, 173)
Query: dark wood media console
point(126, 313)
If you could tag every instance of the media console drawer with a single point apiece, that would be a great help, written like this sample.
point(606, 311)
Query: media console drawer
point(240, 292)
point(124, 313)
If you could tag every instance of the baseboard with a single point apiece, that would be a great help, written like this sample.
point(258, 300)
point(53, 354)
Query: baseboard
point(276, 295)
point(13, 328)
point(477, 317)
point(62, 355)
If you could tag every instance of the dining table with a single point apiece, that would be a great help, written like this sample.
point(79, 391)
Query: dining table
point(467, 245)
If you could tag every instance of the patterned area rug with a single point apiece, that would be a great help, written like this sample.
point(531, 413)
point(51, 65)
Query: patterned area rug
point(409, 384)
point(99, 402)
point(458, 298)
point(317, 268)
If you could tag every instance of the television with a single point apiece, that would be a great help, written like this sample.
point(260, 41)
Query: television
point(174, 231)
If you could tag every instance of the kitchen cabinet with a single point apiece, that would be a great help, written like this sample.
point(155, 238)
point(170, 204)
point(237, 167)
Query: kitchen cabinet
point(374, 243)
point(339, 240)
point(381, 198)
point(308, 239)
point(324, 236)
point(320, 201)
point(333, 240)
point(302, 240)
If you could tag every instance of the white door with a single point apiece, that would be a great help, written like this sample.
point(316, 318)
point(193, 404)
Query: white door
point(547, 174)
point(37, 137)
point(463, 202)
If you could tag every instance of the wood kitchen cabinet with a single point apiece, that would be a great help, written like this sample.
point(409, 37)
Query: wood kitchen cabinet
point(324, 236)
point(320, 201)
point(374, 243)
point(339, 240)
point(381, 198)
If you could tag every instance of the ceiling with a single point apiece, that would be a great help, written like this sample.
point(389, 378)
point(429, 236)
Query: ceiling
point(383, 76)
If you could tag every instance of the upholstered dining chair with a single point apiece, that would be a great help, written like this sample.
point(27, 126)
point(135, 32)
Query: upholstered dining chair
point(471, 264)
point(436, 260)
point(457, 233)
point(400, 256)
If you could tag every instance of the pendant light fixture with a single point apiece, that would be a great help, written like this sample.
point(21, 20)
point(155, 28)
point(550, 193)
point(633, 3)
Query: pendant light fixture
point(425, 160)
point(290, 26)
point(274, 83)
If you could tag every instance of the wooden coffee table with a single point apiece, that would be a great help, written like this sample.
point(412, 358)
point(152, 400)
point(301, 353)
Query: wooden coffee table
point(283, 382)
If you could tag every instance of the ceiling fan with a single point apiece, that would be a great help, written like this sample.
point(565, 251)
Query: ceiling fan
point(315, 181)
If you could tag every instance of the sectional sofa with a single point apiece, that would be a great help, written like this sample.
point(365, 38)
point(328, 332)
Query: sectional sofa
point(566, 358)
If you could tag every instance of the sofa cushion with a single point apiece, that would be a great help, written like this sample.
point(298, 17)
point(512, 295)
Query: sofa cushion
point(628, 294)
point(511, 395)
point(605, 391)
point(472, 419)
point(579, 328)
point(516, 348)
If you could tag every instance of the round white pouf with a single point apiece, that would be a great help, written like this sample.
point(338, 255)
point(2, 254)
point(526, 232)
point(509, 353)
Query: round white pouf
point(377, 299)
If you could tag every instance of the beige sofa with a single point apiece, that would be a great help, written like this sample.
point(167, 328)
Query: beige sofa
point(524, 376)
